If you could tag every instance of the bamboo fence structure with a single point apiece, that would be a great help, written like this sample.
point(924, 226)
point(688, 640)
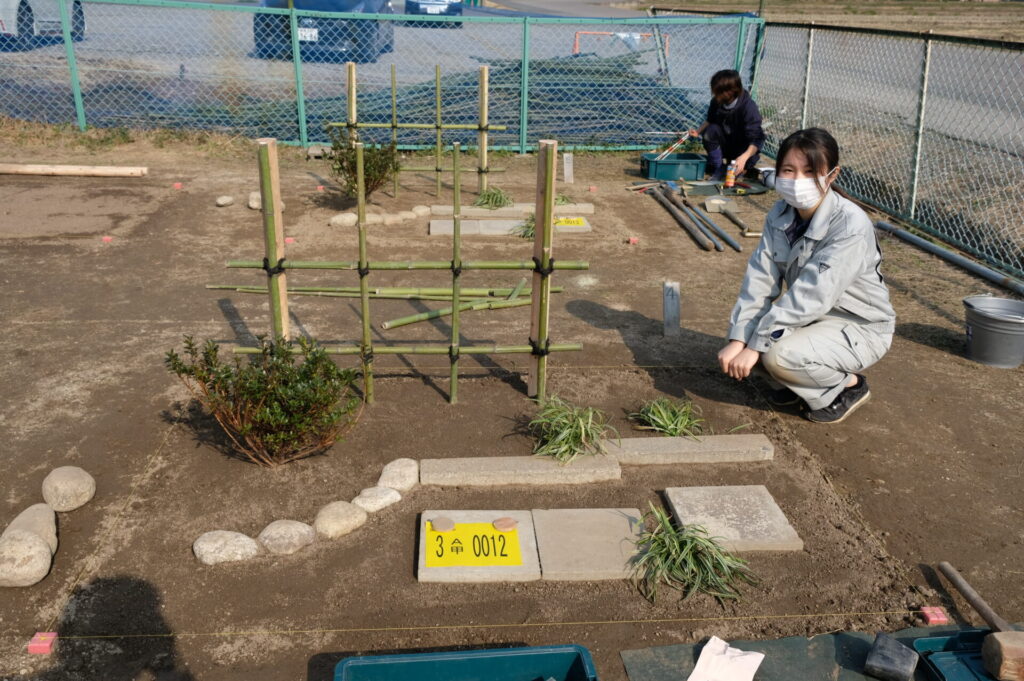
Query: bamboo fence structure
point(482, 126)
point(542, 265)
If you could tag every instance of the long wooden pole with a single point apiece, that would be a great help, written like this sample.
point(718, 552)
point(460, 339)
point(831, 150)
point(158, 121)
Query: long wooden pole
point(437, 138)
point(482, 136)
point(412, 265)
point(547, 155)
point(394, 123)
point(430, 349)
point(366, 352)
point(353, 127)
point(82, 171)
point(273, 236)
point(453, 391)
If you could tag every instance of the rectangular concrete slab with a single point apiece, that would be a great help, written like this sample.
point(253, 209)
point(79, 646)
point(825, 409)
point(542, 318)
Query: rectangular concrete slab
point(503, 227)
point(742, 517)
point(516, 210)
point(643, 451)
point(517, 470)
point(580, 544)
point(528, 571)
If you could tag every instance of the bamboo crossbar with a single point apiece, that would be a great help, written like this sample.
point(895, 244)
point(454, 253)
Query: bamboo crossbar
point(425, 169)
point(472, 305)
point(410, 265)
point(423, 126)
point(388, 290)
point(430, 349)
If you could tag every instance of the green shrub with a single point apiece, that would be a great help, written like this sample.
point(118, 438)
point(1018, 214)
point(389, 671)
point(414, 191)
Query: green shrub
point(380, 163)
point(687, 559)
point(273, 409)
point(671, 417)
point(493, 198)
point(527, 229)
point(565, 431)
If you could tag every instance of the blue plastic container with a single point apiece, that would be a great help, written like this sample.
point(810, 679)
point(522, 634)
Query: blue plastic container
point(539, 663)
point(678, 166)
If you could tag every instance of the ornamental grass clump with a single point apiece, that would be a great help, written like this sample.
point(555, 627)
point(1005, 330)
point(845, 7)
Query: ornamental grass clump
point(527, 229)
point(565, 431)
point(687, 559)
point(380, 163)
point(493, 198)
point(273, 408)
point(670, 417)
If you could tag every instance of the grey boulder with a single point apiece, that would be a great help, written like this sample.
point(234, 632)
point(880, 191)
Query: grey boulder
point(338, 519)
point(374, 499)
point(25, 558)
point(286, 536)
point(222, 546)
point(67, 488)
point(38, 519)
point(400, 474)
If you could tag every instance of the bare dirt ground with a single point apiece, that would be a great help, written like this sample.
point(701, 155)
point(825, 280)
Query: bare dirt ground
point(930, 470)
point(990, 20)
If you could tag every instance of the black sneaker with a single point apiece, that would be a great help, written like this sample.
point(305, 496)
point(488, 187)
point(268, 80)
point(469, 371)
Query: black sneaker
point(782, 397)
point(844, 404)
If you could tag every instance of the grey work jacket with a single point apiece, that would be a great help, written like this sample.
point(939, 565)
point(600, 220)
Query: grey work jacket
point(833, 269)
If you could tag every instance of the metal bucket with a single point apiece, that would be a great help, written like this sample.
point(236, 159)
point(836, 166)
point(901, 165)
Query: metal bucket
point(995, 331)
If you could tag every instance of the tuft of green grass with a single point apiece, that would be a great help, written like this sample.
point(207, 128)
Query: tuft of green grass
point(565, 431)
point(670, 417)
point(493, 198)
point(528, 228)
point(686, 559)
point(562, 200)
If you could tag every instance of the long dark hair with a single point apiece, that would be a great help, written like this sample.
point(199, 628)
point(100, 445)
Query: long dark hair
point(820, 148)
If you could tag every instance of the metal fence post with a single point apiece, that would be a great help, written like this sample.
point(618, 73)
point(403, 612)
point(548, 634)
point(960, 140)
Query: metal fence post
point(807, 77)
point(524, 86)
point(755, 65)
point(69, 50)
point(921, 101)
point(741, 42)
point(300, 93)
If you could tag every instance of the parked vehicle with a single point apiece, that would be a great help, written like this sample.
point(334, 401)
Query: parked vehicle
point(323, 38)
point(450, 8)
point(25, 24)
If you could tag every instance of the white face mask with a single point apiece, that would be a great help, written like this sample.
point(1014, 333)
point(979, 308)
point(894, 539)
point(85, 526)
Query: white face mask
point(802, 194)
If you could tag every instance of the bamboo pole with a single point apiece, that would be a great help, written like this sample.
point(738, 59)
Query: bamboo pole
point(394, 124)
point(366, 348)
point(482, 136)
point(441, 293)
point(547, 156)
point(431, 349)
point(82, 171)
point(453, 391)
point(273, 236)
point(437, 144)
point(420, 126)
point(469, 306)
point(353, 128)
point(413, 265)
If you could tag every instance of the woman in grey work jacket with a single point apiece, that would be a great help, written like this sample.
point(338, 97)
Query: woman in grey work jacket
point(834, 319)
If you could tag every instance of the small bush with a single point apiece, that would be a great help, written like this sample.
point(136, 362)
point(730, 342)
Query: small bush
point(565, 431)
point(670, 417)
point(687, 559)
point(527, 229)
point(493, 198)
point(562, 200)
point(380, 163)
point(273, 409)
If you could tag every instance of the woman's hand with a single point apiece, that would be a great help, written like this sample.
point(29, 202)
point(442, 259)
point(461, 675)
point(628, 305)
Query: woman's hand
point(727, 354)
point(743, 363)
point(693, 133)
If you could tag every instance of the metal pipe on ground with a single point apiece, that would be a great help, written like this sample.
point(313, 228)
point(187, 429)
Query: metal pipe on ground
point(1003, 280)
point(698, 215)
point(674, 198)
point(674, 212)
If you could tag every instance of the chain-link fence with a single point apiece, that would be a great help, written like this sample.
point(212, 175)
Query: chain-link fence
point(161, 63)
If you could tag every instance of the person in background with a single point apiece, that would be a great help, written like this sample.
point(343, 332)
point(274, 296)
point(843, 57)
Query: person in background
point(834, 319)
point(732, 130)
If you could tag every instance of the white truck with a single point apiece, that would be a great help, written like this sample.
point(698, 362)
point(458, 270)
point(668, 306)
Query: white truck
point(25, 24)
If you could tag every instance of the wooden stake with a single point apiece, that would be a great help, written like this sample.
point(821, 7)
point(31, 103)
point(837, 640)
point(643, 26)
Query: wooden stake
point(482, 136)
point(453, 390)
point(437, 142)
point(670, 307)
point(82, 171)
point(273, 235)
point(366, 347)
point(547, 155)
point(353, 129)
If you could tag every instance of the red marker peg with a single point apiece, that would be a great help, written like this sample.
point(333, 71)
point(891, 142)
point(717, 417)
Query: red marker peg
point(177, 185)
point(107, 239)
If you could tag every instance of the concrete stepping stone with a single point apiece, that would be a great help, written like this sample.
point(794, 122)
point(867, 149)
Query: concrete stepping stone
point(474, 551)
point(579, 544)
point(516, 210)
point(517, 470)
point(742, 517)
point(643, 451)
point(563, 225)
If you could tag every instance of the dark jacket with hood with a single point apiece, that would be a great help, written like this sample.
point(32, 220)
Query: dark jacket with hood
point(741, 123)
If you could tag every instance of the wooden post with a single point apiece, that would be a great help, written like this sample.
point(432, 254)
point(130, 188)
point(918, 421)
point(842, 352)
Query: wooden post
point(437, 139)
point(273, 235)
point(453, 351)
point(482, 136)
point(670, 307)
point(394, 123)
point(547, 155)
point(366, 347)
point(353, 130)
point(567, 169)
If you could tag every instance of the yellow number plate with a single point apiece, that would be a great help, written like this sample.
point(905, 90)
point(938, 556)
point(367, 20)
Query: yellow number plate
point(569, 222)
point(472, 544)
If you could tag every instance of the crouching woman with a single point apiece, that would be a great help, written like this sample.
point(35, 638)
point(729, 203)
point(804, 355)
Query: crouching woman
point(834, 318)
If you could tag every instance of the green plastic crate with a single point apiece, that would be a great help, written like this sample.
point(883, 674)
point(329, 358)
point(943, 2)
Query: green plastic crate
point(538, 663)
point(678, 166)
